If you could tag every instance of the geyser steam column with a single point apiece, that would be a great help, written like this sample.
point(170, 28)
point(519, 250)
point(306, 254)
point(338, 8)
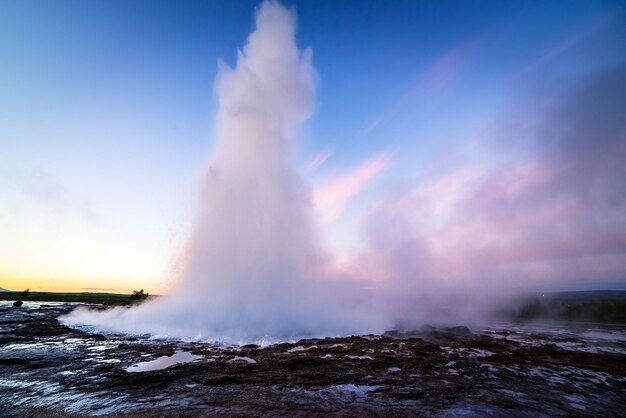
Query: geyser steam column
point(252, 264)
point(252, 252)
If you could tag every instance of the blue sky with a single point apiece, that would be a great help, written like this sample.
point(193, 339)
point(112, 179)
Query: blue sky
point(106, 112)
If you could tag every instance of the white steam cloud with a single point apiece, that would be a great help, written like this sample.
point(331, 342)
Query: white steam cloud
point(253, 266)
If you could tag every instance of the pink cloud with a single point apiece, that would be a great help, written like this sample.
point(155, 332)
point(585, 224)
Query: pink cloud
point(319, 159)
point(475, 240)
point(552, 214)
point(331, 198)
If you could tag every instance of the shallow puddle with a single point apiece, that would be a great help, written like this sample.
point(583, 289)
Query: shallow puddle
point(178, 357)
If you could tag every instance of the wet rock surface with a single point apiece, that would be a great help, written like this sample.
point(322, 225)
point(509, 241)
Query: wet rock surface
point(47, 369)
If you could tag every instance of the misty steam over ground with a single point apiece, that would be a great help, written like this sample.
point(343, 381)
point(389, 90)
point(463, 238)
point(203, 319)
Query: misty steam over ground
point(255, 269)
point(503, 369)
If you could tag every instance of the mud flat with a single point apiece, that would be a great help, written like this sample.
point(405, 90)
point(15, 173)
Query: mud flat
point(504, 369)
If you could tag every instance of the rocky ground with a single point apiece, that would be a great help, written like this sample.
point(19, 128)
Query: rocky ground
point(48, 370)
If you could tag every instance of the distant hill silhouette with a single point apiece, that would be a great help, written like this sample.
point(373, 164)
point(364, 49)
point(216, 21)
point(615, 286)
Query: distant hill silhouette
point(598, 306)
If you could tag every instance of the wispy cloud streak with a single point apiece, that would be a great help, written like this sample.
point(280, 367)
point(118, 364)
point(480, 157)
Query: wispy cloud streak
point(590, 29)
point(332, 197)
point(430, 82)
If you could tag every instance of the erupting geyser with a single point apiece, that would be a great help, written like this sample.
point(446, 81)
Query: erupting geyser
point(253, 267)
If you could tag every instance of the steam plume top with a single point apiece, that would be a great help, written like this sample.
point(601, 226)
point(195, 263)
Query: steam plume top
point(273, 79)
